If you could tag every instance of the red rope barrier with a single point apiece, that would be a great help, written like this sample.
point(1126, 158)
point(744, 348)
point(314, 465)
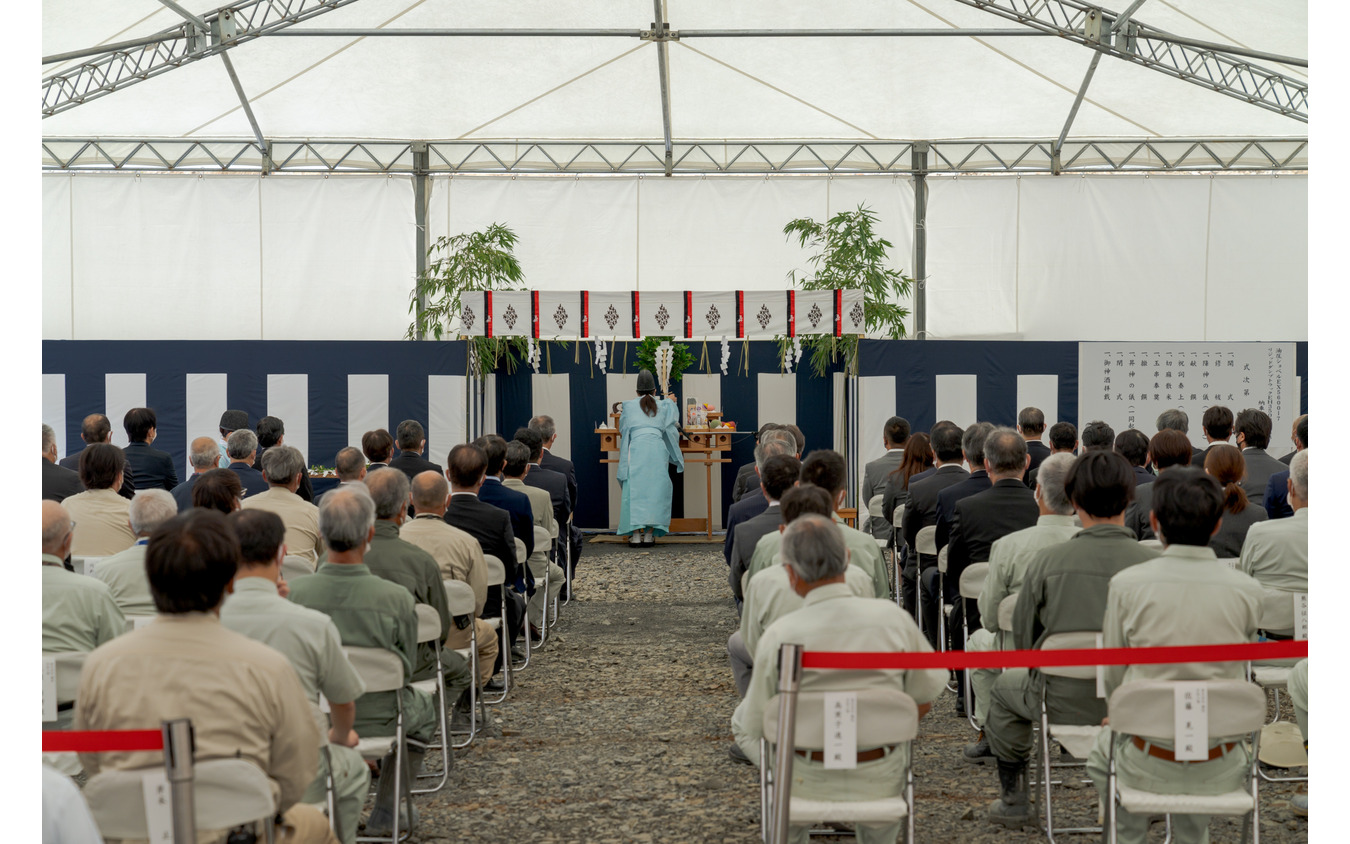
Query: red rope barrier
point(101, 741)
point(1293, 648)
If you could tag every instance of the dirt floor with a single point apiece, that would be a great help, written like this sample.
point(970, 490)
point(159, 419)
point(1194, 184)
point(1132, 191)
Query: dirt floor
point(619, 731)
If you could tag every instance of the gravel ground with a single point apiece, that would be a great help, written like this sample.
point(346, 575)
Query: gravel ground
point(619, 730)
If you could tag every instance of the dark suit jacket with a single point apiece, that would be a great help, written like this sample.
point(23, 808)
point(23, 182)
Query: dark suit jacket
point(1142, 476)
point(746, 479)
point(978, 481)
point(1198, 457)
point(306, 489)
point(183, 493)
point(412, 464)
point(1136, 513)
point(1037, 451)
point(150, 468)
point(251, 478)
point(563, 467)
point(1286, 460)
point(748, 535)
point(895, 495)
point(555, 484)
point(982, 518)
point(513, 502)
point(59, 483)
point(491, 526)
point(921, 508)
point(739, 513)
point(1260, 468)
point(1276, 499)
point(72, 462)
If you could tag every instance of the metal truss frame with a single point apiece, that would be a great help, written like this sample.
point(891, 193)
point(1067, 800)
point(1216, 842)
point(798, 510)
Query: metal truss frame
point(109, 70)
point(1212, 66)
point(687, 158)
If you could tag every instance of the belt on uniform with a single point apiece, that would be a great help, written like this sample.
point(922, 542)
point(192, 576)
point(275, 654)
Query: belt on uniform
point(1167, 755)
point(863, 755)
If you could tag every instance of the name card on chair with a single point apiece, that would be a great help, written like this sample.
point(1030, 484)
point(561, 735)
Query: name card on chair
point(1191, 712)
point(841, 730)
point(158, 806)
point(48, 688)
point(1301, 616)
point(1101, 673)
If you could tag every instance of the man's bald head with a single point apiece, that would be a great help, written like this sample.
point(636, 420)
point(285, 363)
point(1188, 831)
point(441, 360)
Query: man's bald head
point(56, 529)
point(389, 490)
point(429, 492)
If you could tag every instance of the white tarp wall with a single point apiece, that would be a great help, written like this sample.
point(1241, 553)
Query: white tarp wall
point(1162, 257)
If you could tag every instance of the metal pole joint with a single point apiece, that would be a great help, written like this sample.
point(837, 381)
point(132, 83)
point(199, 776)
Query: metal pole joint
point(659, 31)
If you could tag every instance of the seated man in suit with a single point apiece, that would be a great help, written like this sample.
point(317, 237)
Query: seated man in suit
point(833, 618)
point(1031, 425)
point(378, 447)
point(1177, 420)
point(1064, 591)
point(491, 527)
point(972, 447)
point(512, 501)
point(57, 483)
point(1218, 425)
point(96, 429)
point(514, 469)
point(1276, 499)
point(204, 456)
point(242, 449)
point(1063, 438)
point(243, 697)
point(548, 432)
point(753, 502)
point(272, 432)
point(1252, 429)
point(1276, 552)
point(921, 511)
point(281, 469)
point(149, 467)
point(1168, 448)
point(412, 441)
point(1098, 435)
point(1133, 446)
point(551, 482)
point(778, 473)
point(103, 515)
point(745, 482)
point(124, 573)
point(894, 435)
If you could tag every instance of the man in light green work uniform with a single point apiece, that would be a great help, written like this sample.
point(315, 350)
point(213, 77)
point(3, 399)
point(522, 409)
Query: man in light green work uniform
point(124, 572)
point(1184, 597)
point(310, 642)
point(370, 612)
point(832, 618)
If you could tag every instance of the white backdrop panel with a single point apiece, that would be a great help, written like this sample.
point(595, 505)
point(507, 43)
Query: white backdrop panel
point(972, 257)
point(288, 400)
point(166, 257)
point(56, 278)
point(575, 234)
point(956, 399)
point(1258, 259)
point(337, 257)
point(367, 406)
point(1097, 255)
point(1039, 391)
point(777, 399)
point(876, 404)
point(54, 409)
point(446, 413)
point(205, 400)
point(551, 395)
point(122, 392)
point(707, 234)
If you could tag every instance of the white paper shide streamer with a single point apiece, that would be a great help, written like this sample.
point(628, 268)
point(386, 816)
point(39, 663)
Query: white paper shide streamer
point(601, 355)
point(726, 354)
point(797, 350)
point(533, 355)
point(787, 360)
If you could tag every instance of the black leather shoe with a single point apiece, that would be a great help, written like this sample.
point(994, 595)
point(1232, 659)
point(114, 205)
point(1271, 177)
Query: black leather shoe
point(518, 654)
point(738, 755)
point(496, 684)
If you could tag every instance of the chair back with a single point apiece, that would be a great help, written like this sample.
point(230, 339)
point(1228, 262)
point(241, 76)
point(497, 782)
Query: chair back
point(972, 580)
point(1071, 641)
point(1152, 543)
point(68, 667)
point(496, 570)
point(1145, 708)
point(135, 621)
point(926, 541)
point(428, 623)
point(1005, 612)
point(379, 669)
point(542, 538)
point(294, 567)
point(521, 554)
point(225, 793)
point(85, 565)
point(1277, 610)
point(898, 519)
point(876, 504)
point(459, 595)
point(885, 716)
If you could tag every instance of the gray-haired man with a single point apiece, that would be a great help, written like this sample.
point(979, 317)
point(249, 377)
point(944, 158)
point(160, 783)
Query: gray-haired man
point(833, 619)
point(242, 449)
point(124, 572)
point(203, 456)
point(281, 469)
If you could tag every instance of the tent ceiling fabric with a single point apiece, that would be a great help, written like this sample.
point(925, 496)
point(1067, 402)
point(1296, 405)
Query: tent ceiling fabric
point(606, 88)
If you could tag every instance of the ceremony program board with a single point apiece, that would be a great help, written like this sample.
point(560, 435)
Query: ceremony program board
point(1127, 385)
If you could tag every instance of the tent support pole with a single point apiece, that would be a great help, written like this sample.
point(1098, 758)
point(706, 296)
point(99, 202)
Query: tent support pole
point(421, 196)
point(661, 29)
point(919, 164)
point(1056, 166)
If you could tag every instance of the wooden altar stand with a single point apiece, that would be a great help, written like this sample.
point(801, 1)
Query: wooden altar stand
point(698, 445)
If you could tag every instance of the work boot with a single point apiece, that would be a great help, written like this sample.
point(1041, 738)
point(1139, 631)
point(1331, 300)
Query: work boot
point(978, 752)
point(1012, 808)
point(460, 716)
point(381, 820)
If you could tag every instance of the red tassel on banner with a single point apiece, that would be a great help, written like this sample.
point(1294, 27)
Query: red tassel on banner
point(838, 313)
point(585, 313)
point(487, 309)
point(740, 313)
point(637, 325)
point(688, 313)
point(792, 313)
point(534, 313)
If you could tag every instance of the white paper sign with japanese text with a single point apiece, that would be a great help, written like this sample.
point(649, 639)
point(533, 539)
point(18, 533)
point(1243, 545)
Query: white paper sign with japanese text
point(841, 730)
point(1301, 616)
point(49, 688)
point(1192, 722)
point(158, 806)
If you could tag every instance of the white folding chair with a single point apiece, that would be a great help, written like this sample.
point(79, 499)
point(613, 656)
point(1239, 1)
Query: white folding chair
point(897, 531)
point(225, 793)
point(1152, 543)
point(85, 565)
point(885, 717)
point(874, 508)
point(970, 586)
point(496, 576)
point(293, 568)
point(522, 559)
point(925, 545)
point(68, 665)
point(565, 547)
point(1075, 738)
point(1277, 617)
point(137, 620)
point(944, 607)
point(558, 557)
point(543, 541)
point(429, 630)
point(1146, 709)
point(459, 595)
point(382, 671)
